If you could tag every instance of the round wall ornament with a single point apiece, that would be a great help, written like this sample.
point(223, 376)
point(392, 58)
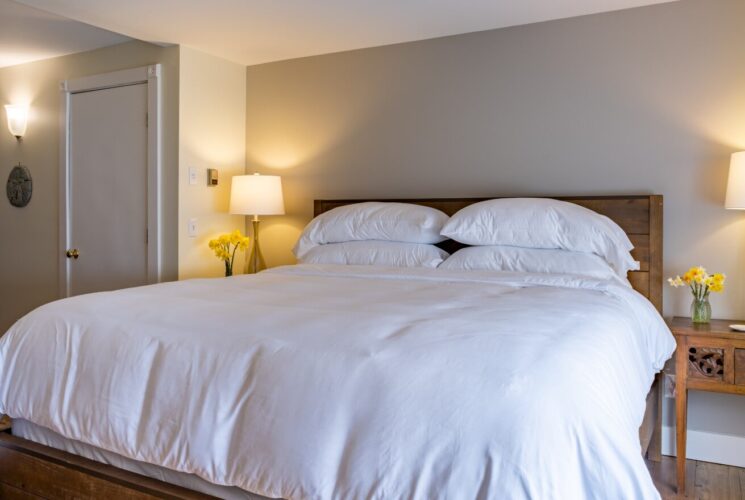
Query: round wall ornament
point(19, 186)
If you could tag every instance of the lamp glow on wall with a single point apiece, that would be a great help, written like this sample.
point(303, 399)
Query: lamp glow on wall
point(735, 199)
point(17, 119)
point(256, 195)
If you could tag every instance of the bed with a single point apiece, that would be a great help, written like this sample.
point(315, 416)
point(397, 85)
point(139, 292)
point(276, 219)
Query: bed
point(336, 382)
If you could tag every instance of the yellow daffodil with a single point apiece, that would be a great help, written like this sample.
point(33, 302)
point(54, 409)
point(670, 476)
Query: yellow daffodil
point(696, 273)
point(225, 247)
point(700, 282)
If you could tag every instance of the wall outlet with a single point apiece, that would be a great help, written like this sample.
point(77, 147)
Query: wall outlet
point(192, 176)
point(192, 228)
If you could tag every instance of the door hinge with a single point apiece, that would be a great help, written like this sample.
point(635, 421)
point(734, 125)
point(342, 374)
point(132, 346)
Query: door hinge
point(147, 236)
point(147, 120)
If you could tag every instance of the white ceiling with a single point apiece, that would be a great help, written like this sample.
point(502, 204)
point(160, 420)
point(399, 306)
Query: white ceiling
point(257, 31)
point(28, 34)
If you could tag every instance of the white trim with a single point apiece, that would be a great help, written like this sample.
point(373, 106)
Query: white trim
point(109, 80)
point(63, 282)
point(707, 446)
point(154, 141)
point(145, 74)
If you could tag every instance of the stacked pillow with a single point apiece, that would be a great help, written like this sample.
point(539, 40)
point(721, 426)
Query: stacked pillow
point(539, 235)
point(529, 260)
point(374, 233)
point(542, 223)
point(508, 234)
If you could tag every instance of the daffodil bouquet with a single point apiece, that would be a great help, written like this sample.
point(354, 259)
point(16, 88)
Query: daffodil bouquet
point(226, 246)
point(701, 284)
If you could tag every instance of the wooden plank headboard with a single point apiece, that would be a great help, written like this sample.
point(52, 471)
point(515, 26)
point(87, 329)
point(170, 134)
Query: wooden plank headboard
point(639, 215)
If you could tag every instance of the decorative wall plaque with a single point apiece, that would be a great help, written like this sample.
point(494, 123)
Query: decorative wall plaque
point(19, 186)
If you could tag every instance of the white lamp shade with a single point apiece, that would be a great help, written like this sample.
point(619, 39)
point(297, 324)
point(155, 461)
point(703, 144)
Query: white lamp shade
point(17, 118)
point(736, 183)
point(256, 195)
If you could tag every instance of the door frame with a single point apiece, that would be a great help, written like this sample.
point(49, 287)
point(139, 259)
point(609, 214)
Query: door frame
point(149, 75)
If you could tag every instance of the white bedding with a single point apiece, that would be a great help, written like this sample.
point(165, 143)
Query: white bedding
point(354, 382)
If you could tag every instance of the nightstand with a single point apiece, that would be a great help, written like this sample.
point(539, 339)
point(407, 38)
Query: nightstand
point(4, 423)
point(709, 357)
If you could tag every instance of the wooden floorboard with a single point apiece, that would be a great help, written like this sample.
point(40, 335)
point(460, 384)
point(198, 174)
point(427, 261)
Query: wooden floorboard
point(704, 480)
point(735, 486)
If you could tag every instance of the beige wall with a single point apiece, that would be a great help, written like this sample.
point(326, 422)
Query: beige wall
point(29, 236)
point(209, 133)
point(212, 134)
point(648, 100)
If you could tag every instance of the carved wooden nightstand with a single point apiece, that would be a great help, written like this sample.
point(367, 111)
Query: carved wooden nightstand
point(709, 357)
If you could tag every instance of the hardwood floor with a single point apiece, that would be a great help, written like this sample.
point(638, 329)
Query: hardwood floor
point(704, 480)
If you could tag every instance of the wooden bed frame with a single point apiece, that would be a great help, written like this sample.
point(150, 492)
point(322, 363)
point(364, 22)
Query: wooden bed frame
point(30, 470)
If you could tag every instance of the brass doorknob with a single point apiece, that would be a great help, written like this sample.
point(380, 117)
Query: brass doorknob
point(73, 253)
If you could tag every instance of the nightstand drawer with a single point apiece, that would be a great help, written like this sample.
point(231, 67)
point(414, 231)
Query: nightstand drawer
point(740, 366)
point(706, 363)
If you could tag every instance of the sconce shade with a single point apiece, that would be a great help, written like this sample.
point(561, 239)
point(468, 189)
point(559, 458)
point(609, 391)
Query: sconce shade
point(256, 195)
point(17, 119)
point(735, 199)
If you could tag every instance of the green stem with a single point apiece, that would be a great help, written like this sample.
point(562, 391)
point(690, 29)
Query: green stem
point(232, 258)
point(700, 291)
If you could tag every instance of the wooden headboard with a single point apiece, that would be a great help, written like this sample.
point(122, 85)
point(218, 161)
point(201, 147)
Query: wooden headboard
point(639, 215)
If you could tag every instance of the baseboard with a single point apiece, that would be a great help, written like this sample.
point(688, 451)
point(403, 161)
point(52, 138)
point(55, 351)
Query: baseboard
point(707, 446)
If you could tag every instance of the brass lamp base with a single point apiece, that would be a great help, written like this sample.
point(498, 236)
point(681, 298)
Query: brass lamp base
point(255, 260)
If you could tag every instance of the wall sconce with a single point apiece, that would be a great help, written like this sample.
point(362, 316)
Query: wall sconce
point(17, 119)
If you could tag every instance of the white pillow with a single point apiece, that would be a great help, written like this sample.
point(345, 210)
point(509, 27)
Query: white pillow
point(542, 223)
point(530, 260)
point(401, 222)
point(376, 253)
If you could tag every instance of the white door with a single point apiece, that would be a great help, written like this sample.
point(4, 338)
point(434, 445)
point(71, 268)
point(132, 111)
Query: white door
point(108, 189)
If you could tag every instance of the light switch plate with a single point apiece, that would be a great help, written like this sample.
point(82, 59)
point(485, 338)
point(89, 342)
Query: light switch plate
point(192, 176)
point(192, 228)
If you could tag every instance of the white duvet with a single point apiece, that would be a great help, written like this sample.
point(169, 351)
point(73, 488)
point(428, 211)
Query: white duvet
point(344, 382)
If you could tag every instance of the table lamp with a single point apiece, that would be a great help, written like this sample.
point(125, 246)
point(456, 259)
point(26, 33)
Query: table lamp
point(735, 199)
point(256, 195)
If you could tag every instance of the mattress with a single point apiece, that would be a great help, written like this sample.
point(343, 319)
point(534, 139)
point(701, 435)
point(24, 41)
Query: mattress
point(317, 381)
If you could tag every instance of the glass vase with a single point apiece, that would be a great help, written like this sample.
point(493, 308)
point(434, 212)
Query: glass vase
point(228, 268)
point(701, 310)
